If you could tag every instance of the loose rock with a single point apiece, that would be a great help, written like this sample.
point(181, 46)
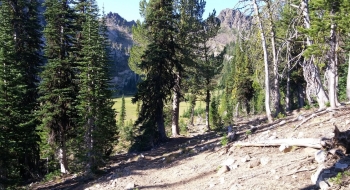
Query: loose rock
point(223, 170)
point(254, 163)
point(130, 186)
point(323, 185)
point(320, 156)
point(246, 158)
point(264, 161)
point(285, 148)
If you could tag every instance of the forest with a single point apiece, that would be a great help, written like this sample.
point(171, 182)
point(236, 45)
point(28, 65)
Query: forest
point(294, 55)
point(55, 93)
point(55, 98)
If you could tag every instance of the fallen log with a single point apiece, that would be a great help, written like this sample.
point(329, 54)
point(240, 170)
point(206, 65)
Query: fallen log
point(306, 142)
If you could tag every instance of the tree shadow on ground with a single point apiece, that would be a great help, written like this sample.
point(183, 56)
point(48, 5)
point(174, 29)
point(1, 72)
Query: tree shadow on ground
point(123, 165)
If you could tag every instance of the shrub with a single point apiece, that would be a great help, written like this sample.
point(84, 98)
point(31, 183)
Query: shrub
point(224, 140)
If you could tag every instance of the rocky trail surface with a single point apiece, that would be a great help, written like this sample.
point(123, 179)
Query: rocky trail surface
point(199, 161)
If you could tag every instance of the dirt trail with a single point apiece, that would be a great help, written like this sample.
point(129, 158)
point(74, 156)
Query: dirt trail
point(199, 161)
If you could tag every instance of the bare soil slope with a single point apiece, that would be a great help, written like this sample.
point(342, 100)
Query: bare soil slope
point(199, 161)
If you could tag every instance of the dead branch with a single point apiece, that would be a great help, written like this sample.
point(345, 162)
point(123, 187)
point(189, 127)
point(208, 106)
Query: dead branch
point(305, 120)
point(301, 170)
point(317, 113)
point(307, 142)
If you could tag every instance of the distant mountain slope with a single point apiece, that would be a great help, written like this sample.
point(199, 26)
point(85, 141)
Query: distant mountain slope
point(120, 35)
point(232, 22)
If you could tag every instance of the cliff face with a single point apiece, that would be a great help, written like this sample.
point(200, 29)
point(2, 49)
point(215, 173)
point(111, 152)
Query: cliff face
point(120, 36)
point(234, 19)
point(233, 22)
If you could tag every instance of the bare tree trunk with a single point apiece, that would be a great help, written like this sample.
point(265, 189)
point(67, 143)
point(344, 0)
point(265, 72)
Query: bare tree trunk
point(288, 103)
point(348, 81)
point(175, 112)
point(236, 110)
point(331, 69)
point(193, 104)
point(89, 144)
point(62, 155)
point(311, 72)
point(276, 87)
point(267, 81)
point(207, 105)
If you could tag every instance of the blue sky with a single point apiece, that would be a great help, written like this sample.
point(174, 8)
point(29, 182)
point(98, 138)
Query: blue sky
point(129, 9)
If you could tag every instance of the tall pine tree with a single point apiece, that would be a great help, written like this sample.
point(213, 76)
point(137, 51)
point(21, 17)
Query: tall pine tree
point(96, 116)
point(158, 62)
point(58, 87)
point(20, 59)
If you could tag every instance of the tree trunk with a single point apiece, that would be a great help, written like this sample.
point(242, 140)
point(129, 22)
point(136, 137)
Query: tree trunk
point(160, 122)
point(300, 96)
point(192, 106)
point(267, 81)
point(236, 110)
point(288, 97)
point(89, 145)
point(348, 81)
point(175, 112)
point(207, 105)
point(307, 142)
point(331, 69)
point(310, 70)
point(276, 87)
point(62, 156)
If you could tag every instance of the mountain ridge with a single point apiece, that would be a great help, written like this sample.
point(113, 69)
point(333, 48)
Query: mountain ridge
point(120, 34)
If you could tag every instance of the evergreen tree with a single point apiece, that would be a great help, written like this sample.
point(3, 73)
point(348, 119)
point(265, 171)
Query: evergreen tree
point(188, 25)
point(209, 65)
point(122, 114)
point(242, 91)
point(96, 117)
point(58, 87)
point(20, 60)
point(158, 62)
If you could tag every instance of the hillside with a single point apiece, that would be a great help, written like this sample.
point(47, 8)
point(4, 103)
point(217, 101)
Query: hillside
point(199, 161)
point(120, 35)
point(233, 22)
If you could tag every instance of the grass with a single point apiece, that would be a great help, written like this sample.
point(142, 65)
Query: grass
point(130, 108)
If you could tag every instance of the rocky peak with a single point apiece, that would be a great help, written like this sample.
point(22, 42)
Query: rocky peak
point(234, 19)
point(120, 36)
point(232, 23)
point(116, 19)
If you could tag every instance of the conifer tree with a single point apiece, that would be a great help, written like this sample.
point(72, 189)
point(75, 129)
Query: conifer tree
point(20, 60)
point(158, 62)
point(122, 114)
point(209, 65)
point(96, 117)
point(242, 90)
point(58, 87)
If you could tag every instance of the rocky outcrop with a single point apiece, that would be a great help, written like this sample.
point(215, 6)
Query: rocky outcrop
point(234, 19)
point(120, 36)
point(233, 22)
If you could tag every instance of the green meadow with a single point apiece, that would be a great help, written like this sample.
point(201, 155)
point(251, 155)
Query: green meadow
point(131, 113)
